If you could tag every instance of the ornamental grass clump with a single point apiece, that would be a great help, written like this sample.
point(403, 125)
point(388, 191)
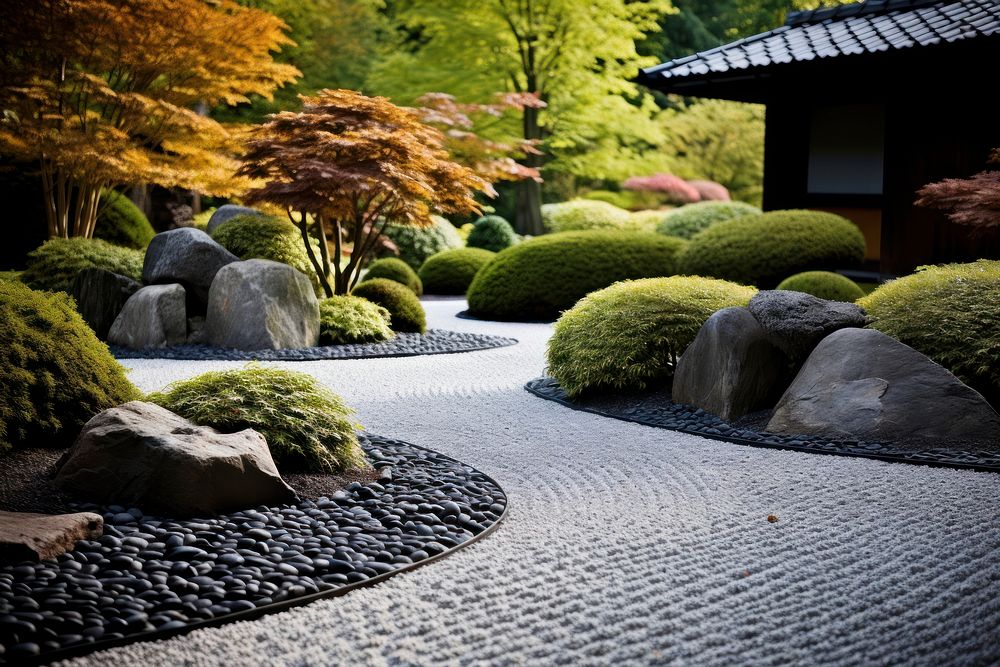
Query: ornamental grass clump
point(628, 337)
point(54, 372)
point(396, 270)
point(120, 222)
point(452, 271)
point(825, 285)
point(686, 221)
point(951, 313)
point(265, 237)
point(54, 264)
point(405, 311)
point(308, 428)
point(349, 319)
point(492, 233)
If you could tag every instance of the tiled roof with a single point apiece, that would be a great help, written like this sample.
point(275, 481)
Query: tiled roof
point(873, 26)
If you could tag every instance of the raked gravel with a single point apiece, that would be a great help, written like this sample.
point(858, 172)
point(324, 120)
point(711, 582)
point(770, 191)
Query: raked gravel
point(625, 544)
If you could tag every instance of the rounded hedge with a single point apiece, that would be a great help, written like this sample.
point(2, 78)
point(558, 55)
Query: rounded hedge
point(686, 221)
point(405, 311)
point(763, 249)
point(54, 371)
point(54, 264)
point(951, 313)
point(392, 268)
point(122, 223)
point(628, 337)
point(348, 319)
point(416, 244)
point(307, 426)
point(583, 214)
point(493, 233)
point(543, 276)
point(265, 237)
point(823, 284)
point(648, 221)
point(452, 271)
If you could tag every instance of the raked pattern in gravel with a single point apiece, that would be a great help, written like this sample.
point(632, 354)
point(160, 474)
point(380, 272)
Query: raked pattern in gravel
point(632, 545)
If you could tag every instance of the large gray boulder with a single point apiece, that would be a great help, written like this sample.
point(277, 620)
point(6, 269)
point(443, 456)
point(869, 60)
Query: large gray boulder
point(155, 316)
point(187, 256)
point(143, 455)
point(100, 295)
point(259, 304)
point(228, 212)
point(862, 384)
point(731, 368)
point(34, 537)
point(797, 322)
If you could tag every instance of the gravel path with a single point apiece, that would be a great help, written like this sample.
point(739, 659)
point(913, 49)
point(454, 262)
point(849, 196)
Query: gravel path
point(633, 545)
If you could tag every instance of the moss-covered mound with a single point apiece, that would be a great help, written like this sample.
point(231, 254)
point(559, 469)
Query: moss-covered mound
point(541, 277)
point(764, 249)
point(392, 268)
point(122, 223)
point(629, 336)
point(350, 319)
point(825, 285)
point(406, 313)
point(54, 264)
point(452, 271)
point(951, 313)
point(648, 221)
point(686, 221)
point(307, 426)
point(583, 214)
point(54, 372)
point(416, 244)
point(264, 237)
point(493, 233)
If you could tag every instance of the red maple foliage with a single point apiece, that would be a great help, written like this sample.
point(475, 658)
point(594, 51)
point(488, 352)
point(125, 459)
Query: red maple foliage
point(971, 201)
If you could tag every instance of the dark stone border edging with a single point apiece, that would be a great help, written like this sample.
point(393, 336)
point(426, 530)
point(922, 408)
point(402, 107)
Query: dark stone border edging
point(435, 341)
point(688, 419)
point(432, 466)
point(466, 315)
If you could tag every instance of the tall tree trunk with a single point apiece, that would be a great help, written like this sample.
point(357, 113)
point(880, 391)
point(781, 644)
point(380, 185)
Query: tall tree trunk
point(529, 191)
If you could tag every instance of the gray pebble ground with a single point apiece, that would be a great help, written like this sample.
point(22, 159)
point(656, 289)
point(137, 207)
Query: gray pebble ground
point(626, 544)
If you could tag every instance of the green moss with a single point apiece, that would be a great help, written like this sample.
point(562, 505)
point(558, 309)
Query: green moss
point(582, 214)
point(53, 265)
point(951, 313)
point(264, 237)
point(823, 284)
point(406, 312)
point(452, 271)
point(351, 319)
point(763, 249)
point(493, 233)
point(543, 276)
point(396, 270)
point(122, 223)
point(686, 221)
point(629, 336)
point(54, 371)
point(307, 426)
point(416, 244)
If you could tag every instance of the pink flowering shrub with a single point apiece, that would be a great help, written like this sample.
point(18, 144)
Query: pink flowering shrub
point(674, 189)
point(710, 190)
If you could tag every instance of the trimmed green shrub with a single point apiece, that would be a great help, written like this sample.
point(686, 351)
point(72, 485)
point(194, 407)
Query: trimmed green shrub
point(54, 264)
point(825, 285)
point(686, 221)
point(406, 313)
point(582, 214)
point(493, 233)
point(647, 221)
point(265, 237)
point(628, 337)
point(392, 268)
point(630, 200)
point(452, 271)
point(416, 244)
point(951, 313)
point(350, 319)
point(122, 223)
point(307, 426)
point(54, 371)
point(763, 249)
point(543, 276)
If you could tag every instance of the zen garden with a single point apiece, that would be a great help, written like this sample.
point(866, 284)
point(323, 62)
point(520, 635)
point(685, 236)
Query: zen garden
point(499, 332)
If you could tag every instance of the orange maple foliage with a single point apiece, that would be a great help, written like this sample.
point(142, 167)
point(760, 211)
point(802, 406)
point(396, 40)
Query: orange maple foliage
point(353, 163)
point(104, 93)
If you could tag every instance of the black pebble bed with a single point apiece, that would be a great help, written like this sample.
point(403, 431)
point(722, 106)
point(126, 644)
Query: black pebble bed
point(435, 341)
point(656, 409)
point(149, 577)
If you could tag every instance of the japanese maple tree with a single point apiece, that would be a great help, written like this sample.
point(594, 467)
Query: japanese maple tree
point(973, 201)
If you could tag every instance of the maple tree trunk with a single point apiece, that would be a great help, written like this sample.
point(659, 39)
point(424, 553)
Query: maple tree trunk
point(71, 208)
point(320, 264)
point(528, 216)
